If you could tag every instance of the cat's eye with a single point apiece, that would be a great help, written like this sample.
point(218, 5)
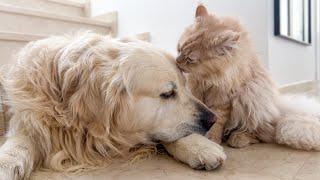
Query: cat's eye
point(189, 60)
point(168, 95)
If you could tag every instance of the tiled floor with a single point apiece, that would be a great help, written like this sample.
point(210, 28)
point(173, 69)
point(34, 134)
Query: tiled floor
point(257, 162)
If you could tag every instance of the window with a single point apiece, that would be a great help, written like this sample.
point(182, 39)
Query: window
point(293, 20)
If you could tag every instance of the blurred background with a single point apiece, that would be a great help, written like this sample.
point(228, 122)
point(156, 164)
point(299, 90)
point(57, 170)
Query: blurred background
point(288, 61)
point(285, 32)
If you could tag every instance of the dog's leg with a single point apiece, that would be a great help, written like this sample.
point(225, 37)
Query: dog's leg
point(17, 158)
point(197, 151)
point(241, 139)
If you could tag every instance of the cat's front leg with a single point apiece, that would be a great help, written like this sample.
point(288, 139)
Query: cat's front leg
point(216, 132)
point(197, 151)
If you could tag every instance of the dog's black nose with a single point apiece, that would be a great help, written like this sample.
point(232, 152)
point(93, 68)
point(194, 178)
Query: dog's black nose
point(206, 116)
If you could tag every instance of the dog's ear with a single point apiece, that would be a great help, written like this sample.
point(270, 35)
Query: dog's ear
point(115, 93)
point(225, 42)
point(78, 99)
point(201, 11)
point(114, 96)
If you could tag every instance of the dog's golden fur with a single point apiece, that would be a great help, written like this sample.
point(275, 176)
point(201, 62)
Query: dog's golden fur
point(81, 101)
point(225, 73)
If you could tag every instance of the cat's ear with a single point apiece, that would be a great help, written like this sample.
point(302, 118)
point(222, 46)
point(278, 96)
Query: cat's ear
point(201, 11)
point(225, 42)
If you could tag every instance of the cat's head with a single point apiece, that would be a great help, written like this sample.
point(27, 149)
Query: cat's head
point(208, 45)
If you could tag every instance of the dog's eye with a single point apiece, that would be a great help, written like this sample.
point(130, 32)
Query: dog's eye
point(168, 95)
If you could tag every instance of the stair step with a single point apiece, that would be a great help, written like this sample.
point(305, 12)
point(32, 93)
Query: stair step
point(13, 36)
point(23, 20)
point(69, 2)
point(11, 43)
point(144, 36)
point(63, 7)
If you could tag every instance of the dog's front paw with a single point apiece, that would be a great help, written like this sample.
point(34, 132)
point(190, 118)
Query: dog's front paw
point(205, 158)
point(198, 152)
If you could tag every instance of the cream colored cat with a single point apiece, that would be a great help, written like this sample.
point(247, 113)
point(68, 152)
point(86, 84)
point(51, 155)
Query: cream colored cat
point(225, 73)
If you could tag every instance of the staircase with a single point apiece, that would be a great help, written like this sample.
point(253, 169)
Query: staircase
point(22, 21)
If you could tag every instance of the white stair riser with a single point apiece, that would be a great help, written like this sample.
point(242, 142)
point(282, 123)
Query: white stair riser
point(8, 51)
point(48, 6)
point(12, 22)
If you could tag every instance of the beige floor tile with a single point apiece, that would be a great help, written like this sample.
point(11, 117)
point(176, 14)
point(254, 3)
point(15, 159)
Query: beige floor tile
point(310, 169)
point(257, 162)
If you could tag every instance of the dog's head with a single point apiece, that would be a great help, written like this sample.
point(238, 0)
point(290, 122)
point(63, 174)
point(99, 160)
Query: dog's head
point(157, 101)
point(129, 90)
point(209, 44)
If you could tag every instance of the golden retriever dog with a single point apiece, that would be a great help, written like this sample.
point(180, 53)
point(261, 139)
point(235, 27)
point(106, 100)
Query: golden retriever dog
point(224, 72)
point(82, 101)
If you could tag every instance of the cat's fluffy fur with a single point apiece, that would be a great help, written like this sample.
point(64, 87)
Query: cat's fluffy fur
point(226, 74)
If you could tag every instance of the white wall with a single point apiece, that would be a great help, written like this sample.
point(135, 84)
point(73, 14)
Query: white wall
point(166, 19)
point(317, 45)
point(290, 62)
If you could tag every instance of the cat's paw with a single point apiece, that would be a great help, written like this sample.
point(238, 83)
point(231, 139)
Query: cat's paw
point(241, 140)
point(198, 152)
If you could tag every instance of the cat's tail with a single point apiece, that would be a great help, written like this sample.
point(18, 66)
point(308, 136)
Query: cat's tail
point(299, 123)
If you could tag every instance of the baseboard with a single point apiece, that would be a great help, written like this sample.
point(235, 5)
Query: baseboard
point(304, 87)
